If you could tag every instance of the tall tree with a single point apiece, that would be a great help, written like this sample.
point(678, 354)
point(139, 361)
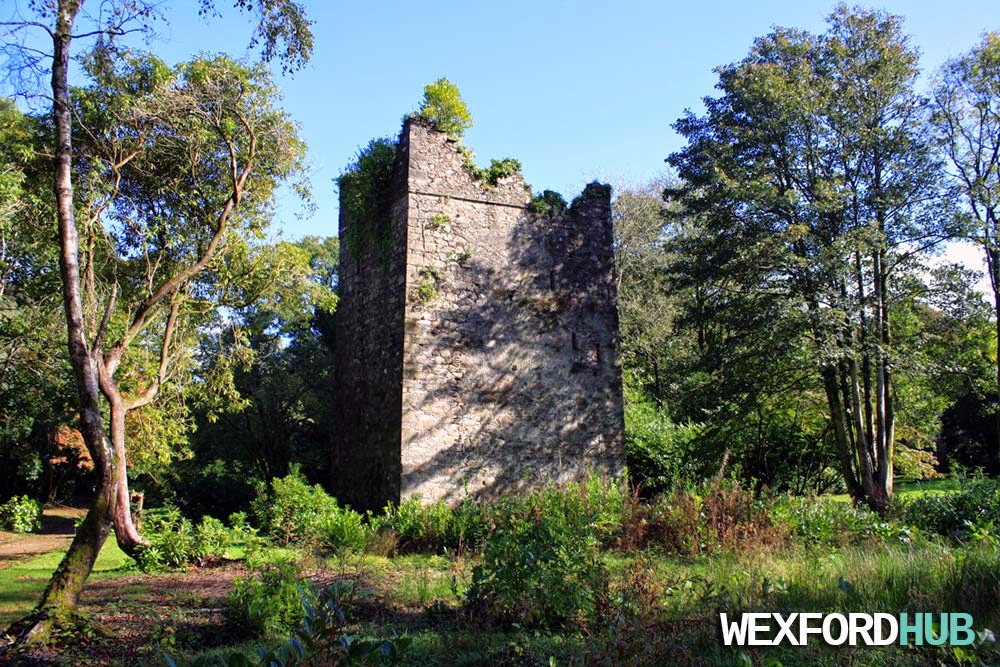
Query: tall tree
point(816, 189)
point(966, 117)
point(35, 393)
point(97, 345)
point(645, 306)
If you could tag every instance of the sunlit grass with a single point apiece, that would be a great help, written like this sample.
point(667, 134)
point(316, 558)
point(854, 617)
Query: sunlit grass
point(22, 584)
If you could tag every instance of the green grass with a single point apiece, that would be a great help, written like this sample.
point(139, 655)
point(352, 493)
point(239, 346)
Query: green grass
point(903, 486)
point(922, 487)
point(22, 584)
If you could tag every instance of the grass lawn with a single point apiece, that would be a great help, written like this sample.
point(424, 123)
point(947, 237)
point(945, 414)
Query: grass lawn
point(22, 584)
point(903, 486)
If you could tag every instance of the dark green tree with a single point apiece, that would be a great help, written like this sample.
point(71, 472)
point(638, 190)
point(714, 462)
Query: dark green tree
point(816, 192)
point(966, 117)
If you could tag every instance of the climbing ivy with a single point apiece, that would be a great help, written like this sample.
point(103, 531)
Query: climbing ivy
point(364, 196)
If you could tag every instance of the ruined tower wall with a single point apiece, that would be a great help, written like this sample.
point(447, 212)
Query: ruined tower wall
point(477, 344)
point(368, 357)
point(511, 368)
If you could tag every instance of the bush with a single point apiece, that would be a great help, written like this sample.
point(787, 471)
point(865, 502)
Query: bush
point(419, 527)
point(318, 640)
point(541, 562)
point(660, 452)
point(175, 542)
point(444, 108)
point(344, 530)
point(830, 522)
point(364, 197)
point(268, 601)
point(21, 514)
point(702, 519)
point(549, 202)
point(969, 513)
point(290, 511)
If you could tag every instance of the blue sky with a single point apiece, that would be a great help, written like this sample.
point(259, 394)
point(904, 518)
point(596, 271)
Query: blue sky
point(574, 90)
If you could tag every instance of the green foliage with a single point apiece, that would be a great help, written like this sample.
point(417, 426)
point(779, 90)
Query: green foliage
point(914, 463)
point(547, 203)
point(364, 196)
point(789, 251)
point(538, 569)
point(21, 514)
point(290, 511)
point(967, 514)
point(444, 108)
point(462, 258)
point(541, 561)
point(319, 639)
point(344, 531)
point(660, 453)
point(592, 191)
point(439, 221)
point(828, 522)
point(268, 602)
point(419, 527)
point(435, 527)
point(427, 290)
point(175, 542)
point(497, 170)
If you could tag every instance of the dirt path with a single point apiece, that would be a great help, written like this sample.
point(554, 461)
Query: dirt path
point(58, 527)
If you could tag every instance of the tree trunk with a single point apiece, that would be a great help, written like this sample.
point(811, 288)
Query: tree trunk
point(993, 264)
point(125, 531)
point(840, 432)
point(63, 592)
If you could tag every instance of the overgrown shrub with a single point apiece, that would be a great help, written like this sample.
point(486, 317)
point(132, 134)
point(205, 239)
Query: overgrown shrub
point(268, 602)
point(538, 569)
point(290, 511)
point(829, 522)
point(419, 527)
point(715, 515)
point(549, 202)
point(435, 528)
point(969, 513)
point(175, 542)
point(21, 514)
point(344, 530)
point(542, 564)
point(364, 196)
point(319, 639)
point(660, 453)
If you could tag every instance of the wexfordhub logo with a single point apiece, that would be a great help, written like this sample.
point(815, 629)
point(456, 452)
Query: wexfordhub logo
point(761, 629)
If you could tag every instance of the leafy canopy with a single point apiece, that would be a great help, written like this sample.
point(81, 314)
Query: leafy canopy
point(443, 106)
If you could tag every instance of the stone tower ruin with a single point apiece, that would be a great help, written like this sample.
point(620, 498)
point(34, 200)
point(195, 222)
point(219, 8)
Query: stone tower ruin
point(477, 341)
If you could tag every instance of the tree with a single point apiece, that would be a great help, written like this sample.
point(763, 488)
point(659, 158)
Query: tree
point(284, 383)
point(646, 308)
point(35, 393)
point(817, 193)
point(443, 106)
point(966, 117)
point(100, 334)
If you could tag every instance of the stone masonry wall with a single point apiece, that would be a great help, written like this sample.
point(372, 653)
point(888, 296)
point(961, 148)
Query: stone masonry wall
point(483, 356)
point(511, 368)
point(368, 359)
